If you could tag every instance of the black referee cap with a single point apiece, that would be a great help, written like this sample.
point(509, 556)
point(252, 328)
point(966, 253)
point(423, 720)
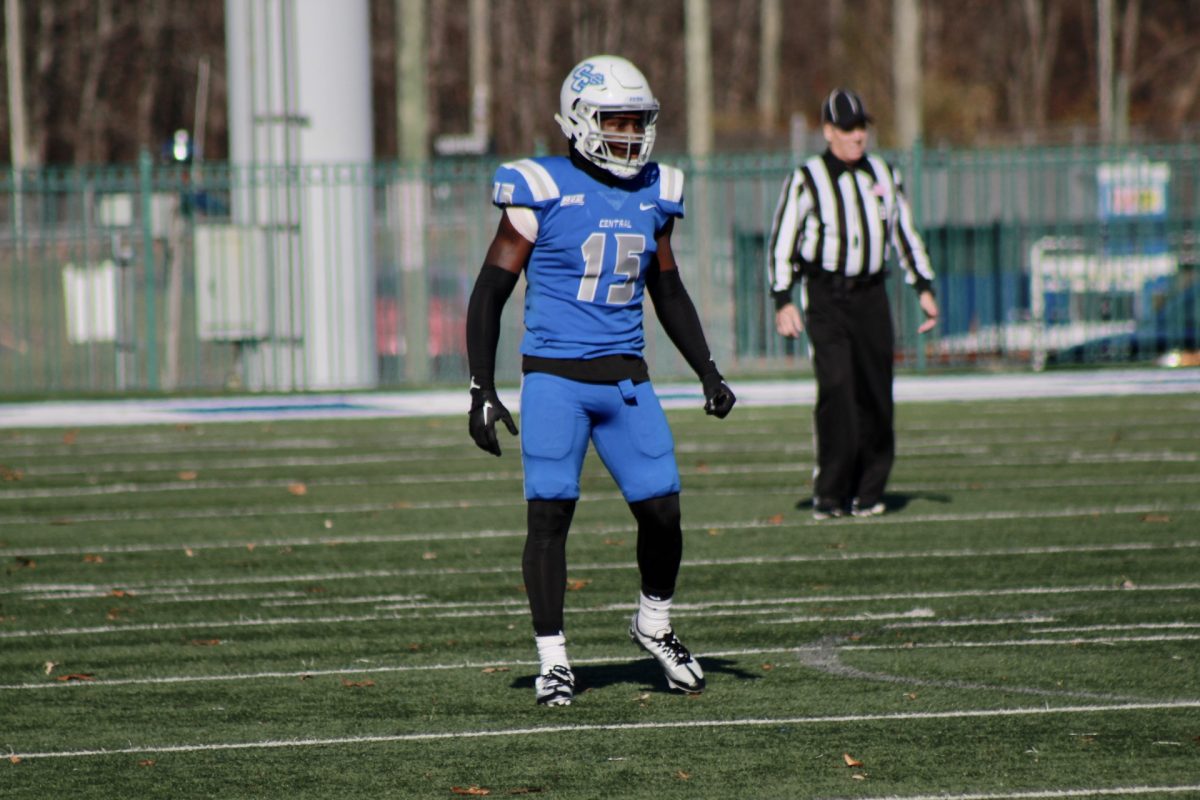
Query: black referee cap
point(845, 109)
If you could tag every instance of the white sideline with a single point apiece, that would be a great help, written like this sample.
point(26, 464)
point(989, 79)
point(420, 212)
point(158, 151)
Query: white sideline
point(802, 391)
point(1043, 710)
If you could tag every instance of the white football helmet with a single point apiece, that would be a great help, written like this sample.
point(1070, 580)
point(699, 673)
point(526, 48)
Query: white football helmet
point(604, 85)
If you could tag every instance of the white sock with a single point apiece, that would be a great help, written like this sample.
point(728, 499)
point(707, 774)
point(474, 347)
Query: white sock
point(552, 651)
point(654, 615)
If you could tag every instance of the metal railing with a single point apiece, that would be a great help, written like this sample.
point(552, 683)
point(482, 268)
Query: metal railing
point(164, 278)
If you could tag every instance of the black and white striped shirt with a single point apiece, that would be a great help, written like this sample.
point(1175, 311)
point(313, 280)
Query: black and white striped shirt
point(844, 219)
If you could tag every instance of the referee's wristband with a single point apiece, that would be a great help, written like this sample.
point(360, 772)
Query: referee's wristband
point(782, 297)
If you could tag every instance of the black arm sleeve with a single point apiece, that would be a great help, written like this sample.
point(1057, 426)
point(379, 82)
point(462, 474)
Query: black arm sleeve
point(492, 290)
point(679, 319)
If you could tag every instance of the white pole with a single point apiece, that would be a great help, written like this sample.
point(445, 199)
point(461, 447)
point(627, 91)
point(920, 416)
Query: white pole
point(18, 122)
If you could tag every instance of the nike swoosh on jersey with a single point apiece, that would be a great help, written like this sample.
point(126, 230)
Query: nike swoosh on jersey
point(645, 206)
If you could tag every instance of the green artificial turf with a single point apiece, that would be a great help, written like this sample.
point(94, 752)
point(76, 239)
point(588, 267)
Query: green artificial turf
point(335, 609)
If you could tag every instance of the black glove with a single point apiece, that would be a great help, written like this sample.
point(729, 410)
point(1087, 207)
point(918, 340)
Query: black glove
point(486, 408)
point(718, 397)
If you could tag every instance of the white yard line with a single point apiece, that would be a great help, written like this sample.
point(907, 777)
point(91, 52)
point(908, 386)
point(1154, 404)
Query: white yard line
point(1043, 710)
point(391, 614)
point(837, 557)
point(1072, 642)
point(1142, 626)
point(980, 483)
point(363, 669)
point(455, 536)
point(1038, 794)
point(804, 520)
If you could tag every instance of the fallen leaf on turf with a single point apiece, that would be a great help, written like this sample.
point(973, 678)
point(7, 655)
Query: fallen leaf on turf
point(614, 541)
point(188, 475)
point(1156, 518)
point(76, 676)
point(858, 776)
point(1128, 584)
point(120, 593)
point(357, 684)
point(714, 532)
point(49, 666)
point(776, 520)
point(92, 558)
point(250, 546)
point(328, 524)
point(683, 776)
point(429, 556)
point(70, 437)
point(576, 585)
point(189, 552)
point(298, 489)
point(204, 642)
point(25, 563)
point(768, 667)
point(850, 760)
point(147, 762)
point(490, 670)
point(14, 759)
point(911, 696)
point(10, 474)
point(115, 613)
point(473, 790)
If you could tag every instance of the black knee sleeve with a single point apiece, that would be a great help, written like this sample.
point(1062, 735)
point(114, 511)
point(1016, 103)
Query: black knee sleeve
point(659, 544)
point(544, 563)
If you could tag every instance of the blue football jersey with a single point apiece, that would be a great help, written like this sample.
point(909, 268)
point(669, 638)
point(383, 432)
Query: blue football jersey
point(587, 274)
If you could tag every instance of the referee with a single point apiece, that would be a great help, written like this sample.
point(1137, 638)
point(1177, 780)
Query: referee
point(839, 216)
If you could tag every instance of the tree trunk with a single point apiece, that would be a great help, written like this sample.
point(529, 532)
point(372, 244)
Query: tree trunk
point(90, 130)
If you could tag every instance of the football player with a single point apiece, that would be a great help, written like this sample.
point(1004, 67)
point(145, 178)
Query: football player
point(591, 231)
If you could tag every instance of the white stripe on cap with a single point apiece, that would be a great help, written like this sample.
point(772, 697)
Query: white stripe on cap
point(832, 102)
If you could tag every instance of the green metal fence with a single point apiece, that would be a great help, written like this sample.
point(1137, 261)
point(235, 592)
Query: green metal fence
point(157, 278)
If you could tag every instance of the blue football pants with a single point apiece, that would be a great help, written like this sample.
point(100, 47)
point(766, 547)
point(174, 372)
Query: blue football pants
point(625, 421)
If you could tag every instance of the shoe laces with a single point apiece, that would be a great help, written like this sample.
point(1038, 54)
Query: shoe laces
point(672, 647)
point(557, 676)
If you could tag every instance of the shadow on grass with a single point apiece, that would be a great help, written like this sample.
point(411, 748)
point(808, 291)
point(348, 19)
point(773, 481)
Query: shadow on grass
point(894, 501)
point(643, 673)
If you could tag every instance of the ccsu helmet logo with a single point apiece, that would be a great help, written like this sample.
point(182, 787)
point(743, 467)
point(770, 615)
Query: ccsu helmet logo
point(584, 77)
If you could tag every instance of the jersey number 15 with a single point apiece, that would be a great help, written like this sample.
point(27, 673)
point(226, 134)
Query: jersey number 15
point(627, 265)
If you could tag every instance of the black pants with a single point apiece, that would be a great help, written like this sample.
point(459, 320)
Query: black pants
point(850, 328)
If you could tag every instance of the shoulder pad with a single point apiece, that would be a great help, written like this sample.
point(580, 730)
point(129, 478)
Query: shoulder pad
point(670, 183)
point(523, 183)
